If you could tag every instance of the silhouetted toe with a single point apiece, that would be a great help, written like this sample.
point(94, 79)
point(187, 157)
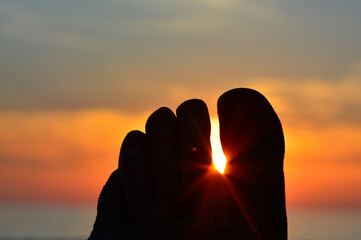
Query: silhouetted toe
point(194, 140)
point(161, 130)
point(252, 139)
point(134, 165)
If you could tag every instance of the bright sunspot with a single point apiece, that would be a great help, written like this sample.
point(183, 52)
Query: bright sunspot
point(218, 156)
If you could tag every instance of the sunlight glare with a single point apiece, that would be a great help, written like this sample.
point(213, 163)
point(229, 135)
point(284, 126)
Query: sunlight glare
point(219, 159)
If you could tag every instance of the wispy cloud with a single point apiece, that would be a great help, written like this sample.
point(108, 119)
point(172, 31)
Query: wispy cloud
point(79, 54)
point(318, 102)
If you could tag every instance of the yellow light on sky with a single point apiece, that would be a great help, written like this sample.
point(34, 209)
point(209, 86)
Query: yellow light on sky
point(219, 158)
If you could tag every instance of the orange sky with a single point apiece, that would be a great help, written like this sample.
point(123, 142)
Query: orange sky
point(65, 157)
point(76, 76)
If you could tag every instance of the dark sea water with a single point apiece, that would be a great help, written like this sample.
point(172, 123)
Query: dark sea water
point(76, 223)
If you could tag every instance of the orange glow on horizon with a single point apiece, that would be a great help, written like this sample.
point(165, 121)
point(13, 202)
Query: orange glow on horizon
point(219, 159)
point(76, 151)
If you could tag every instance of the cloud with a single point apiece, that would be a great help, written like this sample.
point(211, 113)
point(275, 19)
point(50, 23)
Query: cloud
point(128, 55)
point(320, 102)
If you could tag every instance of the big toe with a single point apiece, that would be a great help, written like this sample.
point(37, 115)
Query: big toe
point(252, 139)
point(250, 131)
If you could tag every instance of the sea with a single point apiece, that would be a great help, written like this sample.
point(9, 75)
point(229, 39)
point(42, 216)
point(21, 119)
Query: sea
point(73, 223)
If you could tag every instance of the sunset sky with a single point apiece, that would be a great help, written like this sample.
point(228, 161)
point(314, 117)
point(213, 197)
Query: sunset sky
point(76, 76)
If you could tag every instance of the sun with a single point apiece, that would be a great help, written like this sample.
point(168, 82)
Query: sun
point(219, 159)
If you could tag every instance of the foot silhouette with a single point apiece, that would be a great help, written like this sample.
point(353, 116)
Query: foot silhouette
point(166, 186)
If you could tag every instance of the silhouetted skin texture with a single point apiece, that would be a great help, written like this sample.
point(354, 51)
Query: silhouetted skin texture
point(166, 187)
